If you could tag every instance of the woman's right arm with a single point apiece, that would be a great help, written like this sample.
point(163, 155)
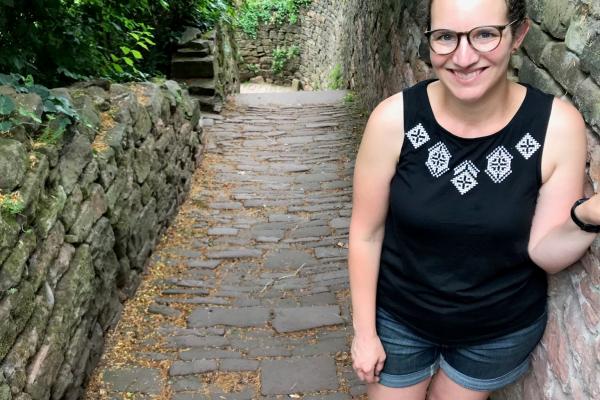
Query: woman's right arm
point(375, 166)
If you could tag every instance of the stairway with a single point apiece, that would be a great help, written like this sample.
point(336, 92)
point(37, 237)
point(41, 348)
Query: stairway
point(193, 64)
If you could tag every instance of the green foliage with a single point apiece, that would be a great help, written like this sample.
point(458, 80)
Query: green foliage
point(253, 13)
point(349, 98)
point(281, 56)
point(59, 41)
point(57, 114)
point(336, 78)
point(11, 204)
point(254, 68)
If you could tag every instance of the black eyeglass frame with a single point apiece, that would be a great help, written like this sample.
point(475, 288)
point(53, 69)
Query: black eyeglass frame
point(501, 28)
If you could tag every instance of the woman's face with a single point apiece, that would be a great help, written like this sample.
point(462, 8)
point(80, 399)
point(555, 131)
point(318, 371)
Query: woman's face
point(467, 73)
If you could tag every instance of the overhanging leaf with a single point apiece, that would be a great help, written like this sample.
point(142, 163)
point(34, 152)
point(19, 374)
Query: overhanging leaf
point(5, 126)
point(7, 105)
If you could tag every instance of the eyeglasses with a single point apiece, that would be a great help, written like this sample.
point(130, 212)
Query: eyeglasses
point(482, 38)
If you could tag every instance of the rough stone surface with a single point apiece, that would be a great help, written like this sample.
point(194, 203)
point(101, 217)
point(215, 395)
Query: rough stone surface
point(298, 375)
point(13, 163)
point(94, 203)
point(138, 380)
point(249, 316)
point(299, 318)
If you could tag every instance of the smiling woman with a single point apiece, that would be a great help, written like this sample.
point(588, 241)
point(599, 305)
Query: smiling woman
point(457, 220)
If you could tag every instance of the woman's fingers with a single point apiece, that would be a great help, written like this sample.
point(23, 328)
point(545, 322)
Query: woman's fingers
point(379, 367)
point(367, 375)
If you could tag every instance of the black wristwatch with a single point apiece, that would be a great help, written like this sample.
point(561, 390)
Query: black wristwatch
point(580, 223)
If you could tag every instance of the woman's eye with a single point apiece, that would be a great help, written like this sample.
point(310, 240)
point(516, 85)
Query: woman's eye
point(445, 36)
point(485, 34)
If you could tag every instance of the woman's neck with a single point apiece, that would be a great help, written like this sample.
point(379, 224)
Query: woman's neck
point(485, 116)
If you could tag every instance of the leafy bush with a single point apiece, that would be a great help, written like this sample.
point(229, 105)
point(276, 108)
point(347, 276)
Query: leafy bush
point(252, 13)
point(336, 77)
point(281, 56)
point(59, 41)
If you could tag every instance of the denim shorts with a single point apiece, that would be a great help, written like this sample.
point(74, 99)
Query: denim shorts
point(485, 366)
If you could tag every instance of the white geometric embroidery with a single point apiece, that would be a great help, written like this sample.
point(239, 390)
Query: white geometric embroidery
point(468, 165)
point(418, 136)
point(464, 182)
point(439, 157)
point(527, 146)
point(465, 172)
point(498, 167)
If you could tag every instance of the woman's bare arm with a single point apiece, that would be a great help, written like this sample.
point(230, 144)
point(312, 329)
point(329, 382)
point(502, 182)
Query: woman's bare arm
point(555, 240)
point(374, 169)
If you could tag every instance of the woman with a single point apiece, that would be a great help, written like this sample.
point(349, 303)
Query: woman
point(463, 191)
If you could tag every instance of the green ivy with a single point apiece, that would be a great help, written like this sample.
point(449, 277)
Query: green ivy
point(57, 114)
point(281, 56)
point(253, 13)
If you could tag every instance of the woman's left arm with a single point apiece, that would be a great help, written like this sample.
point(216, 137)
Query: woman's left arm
point(555, 241)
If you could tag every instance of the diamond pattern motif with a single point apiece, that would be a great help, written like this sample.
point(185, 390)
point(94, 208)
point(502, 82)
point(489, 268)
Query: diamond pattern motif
point(498, 166)
point(439, 157)
point(527, 146)
point(417, 136)
point(465, 176)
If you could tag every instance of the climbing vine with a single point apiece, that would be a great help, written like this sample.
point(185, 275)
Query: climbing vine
point(253, 13)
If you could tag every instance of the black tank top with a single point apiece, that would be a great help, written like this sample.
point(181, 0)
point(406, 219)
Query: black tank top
point(454, 261)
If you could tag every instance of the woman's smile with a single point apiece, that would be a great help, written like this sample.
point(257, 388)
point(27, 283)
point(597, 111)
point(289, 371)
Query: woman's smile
point(467, 76)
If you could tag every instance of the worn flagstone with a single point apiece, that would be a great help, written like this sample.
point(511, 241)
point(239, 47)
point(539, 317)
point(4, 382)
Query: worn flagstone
point(251, 297)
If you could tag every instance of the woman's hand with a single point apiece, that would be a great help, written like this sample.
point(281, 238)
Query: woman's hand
point(367, 357)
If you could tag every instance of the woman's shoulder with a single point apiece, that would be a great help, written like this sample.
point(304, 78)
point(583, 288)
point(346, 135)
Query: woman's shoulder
point(566, 122)
point(566, 140)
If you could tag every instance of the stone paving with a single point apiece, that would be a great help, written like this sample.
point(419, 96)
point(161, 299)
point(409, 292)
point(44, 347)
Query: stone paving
point(246, 296)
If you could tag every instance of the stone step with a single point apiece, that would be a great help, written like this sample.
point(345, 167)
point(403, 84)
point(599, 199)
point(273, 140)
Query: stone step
point(188, 52)
point(209, 103)
point(201, 87)
point(192, 67)
point(198, 44)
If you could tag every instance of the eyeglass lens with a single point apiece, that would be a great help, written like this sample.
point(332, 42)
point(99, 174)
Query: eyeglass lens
point(483, 39)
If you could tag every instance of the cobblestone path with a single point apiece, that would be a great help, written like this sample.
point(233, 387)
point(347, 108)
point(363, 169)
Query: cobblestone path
point(247, 294)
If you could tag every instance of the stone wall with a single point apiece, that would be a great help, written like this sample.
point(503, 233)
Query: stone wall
point(95, 204)
point(226, 54)
point(256, 53)
point(381, 49)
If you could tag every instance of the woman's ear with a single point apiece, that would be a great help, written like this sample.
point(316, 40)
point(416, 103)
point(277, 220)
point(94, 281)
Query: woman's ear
point(520, 33)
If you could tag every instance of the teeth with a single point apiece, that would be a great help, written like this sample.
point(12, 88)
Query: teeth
point(464, 76)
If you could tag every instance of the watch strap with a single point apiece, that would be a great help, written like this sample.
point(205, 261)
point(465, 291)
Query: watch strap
point(582, 225)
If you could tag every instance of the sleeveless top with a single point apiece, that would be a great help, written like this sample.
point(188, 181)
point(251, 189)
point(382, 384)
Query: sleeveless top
point(454, 262)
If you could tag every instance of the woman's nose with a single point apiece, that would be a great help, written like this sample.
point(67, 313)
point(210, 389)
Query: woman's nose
point(465, 54)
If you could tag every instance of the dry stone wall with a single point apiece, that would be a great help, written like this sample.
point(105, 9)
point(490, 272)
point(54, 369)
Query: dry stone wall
point(381, 50)
point(256, 53)
point(95, 204)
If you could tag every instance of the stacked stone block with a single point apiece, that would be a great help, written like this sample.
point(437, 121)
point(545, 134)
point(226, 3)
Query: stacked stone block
point(95, 203)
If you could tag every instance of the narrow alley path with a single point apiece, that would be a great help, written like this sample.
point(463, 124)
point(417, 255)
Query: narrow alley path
point(247, 293)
